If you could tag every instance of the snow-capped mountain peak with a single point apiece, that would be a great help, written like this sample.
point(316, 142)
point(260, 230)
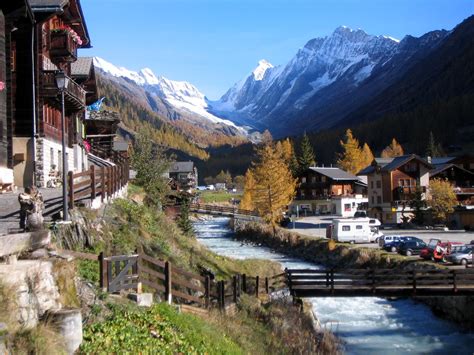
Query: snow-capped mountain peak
point(149, 76)
point(260, 70)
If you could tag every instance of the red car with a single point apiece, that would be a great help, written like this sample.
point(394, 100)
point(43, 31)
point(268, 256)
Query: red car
point(437, 250)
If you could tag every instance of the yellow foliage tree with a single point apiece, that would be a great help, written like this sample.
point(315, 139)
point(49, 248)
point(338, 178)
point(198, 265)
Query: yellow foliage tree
point(249, 187)
point(442, 199)
point(269, 184)
point(367, 155)
point(394, 149)
point(351, 159)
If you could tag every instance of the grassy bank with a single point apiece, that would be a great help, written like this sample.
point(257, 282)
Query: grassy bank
point(218, 196)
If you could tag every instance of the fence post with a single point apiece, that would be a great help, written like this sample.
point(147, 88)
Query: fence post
point(455, 286)
point(70, 185)
point(257, 281)
point(234, 288)
point(135, 271)
point(221, 294)
point(109, 274)
point(332, 281)
point(102, 272)
point(244, 283)
point(168, 284)
point(373, 280)
point(414, 281)
point(207, 294)
point(239, 285)
point(93, 191)
point(102, 184)
point(266, 285)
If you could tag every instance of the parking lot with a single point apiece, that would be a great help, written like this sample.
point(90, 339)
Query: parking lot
point(315, 226)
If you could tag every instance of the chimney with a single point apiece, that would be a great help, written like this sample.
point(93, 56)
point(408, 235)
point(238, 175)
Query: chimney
point(429, 159)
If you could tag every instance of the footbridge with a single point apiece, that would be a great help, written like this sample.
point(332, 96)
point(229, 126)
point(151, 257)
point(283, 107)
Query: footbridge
point(229, 211)
point(380, 282)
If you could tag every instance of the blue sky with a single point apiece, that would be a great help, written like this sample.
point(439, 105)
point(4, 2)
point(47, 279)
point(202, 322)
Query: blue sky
point(214, 43)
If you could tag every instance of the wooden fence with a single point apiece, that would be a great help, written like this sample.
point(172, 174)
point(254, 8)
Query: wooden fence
point(380, 282)
point(97, 181)
point(175, 285)
point(222, 210)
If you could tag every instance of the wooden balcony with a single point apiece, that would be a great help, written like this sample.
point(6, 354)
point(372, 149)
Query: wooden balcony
point(75, 95)
point(62, 48)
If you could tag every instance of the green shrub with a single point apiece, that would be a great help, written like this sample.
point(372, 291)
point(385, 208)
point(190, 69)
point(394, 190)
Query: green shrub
point(159, 329)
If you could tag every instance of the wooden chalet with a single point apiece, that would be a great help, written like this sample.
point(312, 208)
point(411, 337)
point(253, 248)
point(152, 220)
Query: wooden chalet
point(392, 184)
point(16, 111)
point(183, 176)
point(328, 190)
point(461, 179)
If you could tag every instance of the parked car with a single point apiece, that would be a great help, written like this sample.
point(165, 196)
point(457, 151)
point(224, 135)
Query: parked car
point(411, 247)
point(395, 244)
point(462, 257)
point(360, 214)
point(385, 239)
point(437, 250)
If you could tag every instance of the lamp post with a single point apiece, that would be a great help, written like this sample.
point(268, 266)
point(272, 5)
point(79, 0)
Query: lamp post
point(62, 82)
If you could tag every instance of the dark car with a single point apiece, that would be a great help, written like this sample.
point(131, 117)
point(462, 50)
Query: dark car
point(411, 247)
point(395, 243)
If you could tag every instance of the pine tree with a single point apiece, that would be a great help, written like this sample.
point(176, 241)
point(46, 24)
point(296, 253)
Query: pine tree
point(307, 157)
point(367, 155)
point(393, 150)
point(350, 159)
point(434, 149)
point(183, 221)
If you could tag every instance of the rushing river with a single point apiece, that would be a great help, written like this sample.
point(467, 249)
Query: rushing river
point(366, 324)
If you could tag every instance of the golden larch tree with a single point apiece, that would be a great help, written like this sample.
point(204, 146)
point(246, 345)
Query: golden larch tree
point(275, 186)
point(367, 155)
point(442, 199)
point(394, 149)
point(249, 187)
point(350, 159)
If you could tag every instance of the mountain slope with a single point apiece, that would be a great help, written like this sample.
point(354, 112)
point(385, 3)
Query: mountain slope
point(179, 103)
point(326, 80)
point(436, 94)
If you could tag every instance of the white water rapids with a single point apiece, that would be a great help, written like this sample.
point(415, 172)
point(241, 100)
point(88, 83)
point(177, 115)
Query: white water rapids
point(367, 325)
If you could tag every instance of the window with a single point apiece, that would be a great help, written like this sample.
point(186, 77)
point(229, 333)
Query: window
point(313, 179)
point(373, 199)
point(346, 228)
point(358, 227)
point(379, 199)
point(412, 166)
point(323, 178)
point(302, 193)
point(400, 182)
point(303, 179)
point(371, 184)
point(347, 207)
point(379, 184)
point(313, 193)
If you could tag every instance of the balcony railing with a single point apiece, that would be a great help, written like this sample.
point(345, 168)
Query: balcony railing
point(464, 190)
point(75, 95)
point(63, 48)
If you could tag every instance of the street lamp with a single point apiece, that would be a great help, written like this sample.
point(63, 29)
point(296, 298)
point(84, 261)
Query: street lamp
point(62, 82)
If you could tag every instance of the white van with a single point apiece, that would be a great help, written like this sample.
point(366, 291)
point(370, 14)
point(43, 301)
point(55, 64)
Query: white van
point(353, 230)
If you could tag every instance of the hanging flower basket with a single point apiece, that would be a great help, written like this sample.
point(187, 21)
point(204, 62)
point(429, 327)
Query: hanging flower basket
point(68, 30)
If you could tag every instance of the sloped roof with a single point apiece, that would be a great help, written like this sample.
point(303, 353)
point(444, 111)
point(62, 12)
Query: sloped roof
point(82, 66)
point(443, 167)
point(182, 167)
point(335, 173)
point(48, 3)
point(403, 159)
point(441, 160)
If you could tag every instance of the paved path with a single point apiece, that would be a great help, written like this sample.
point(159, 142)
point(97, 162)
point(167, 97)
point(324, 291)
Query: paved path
point(315, 226)
point(10, 208)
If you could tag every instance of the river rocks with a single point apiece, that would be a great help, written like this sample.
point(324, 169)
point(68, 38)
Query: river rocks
point(459, 308)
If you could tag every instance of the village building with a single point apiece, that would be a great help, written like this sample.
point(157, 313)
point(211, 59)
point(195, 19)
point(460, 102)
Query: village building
point(458, 175)
point(16, 60)
point(183, 176)
point(35, 48)
point(328, 190)
point(392, 184)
